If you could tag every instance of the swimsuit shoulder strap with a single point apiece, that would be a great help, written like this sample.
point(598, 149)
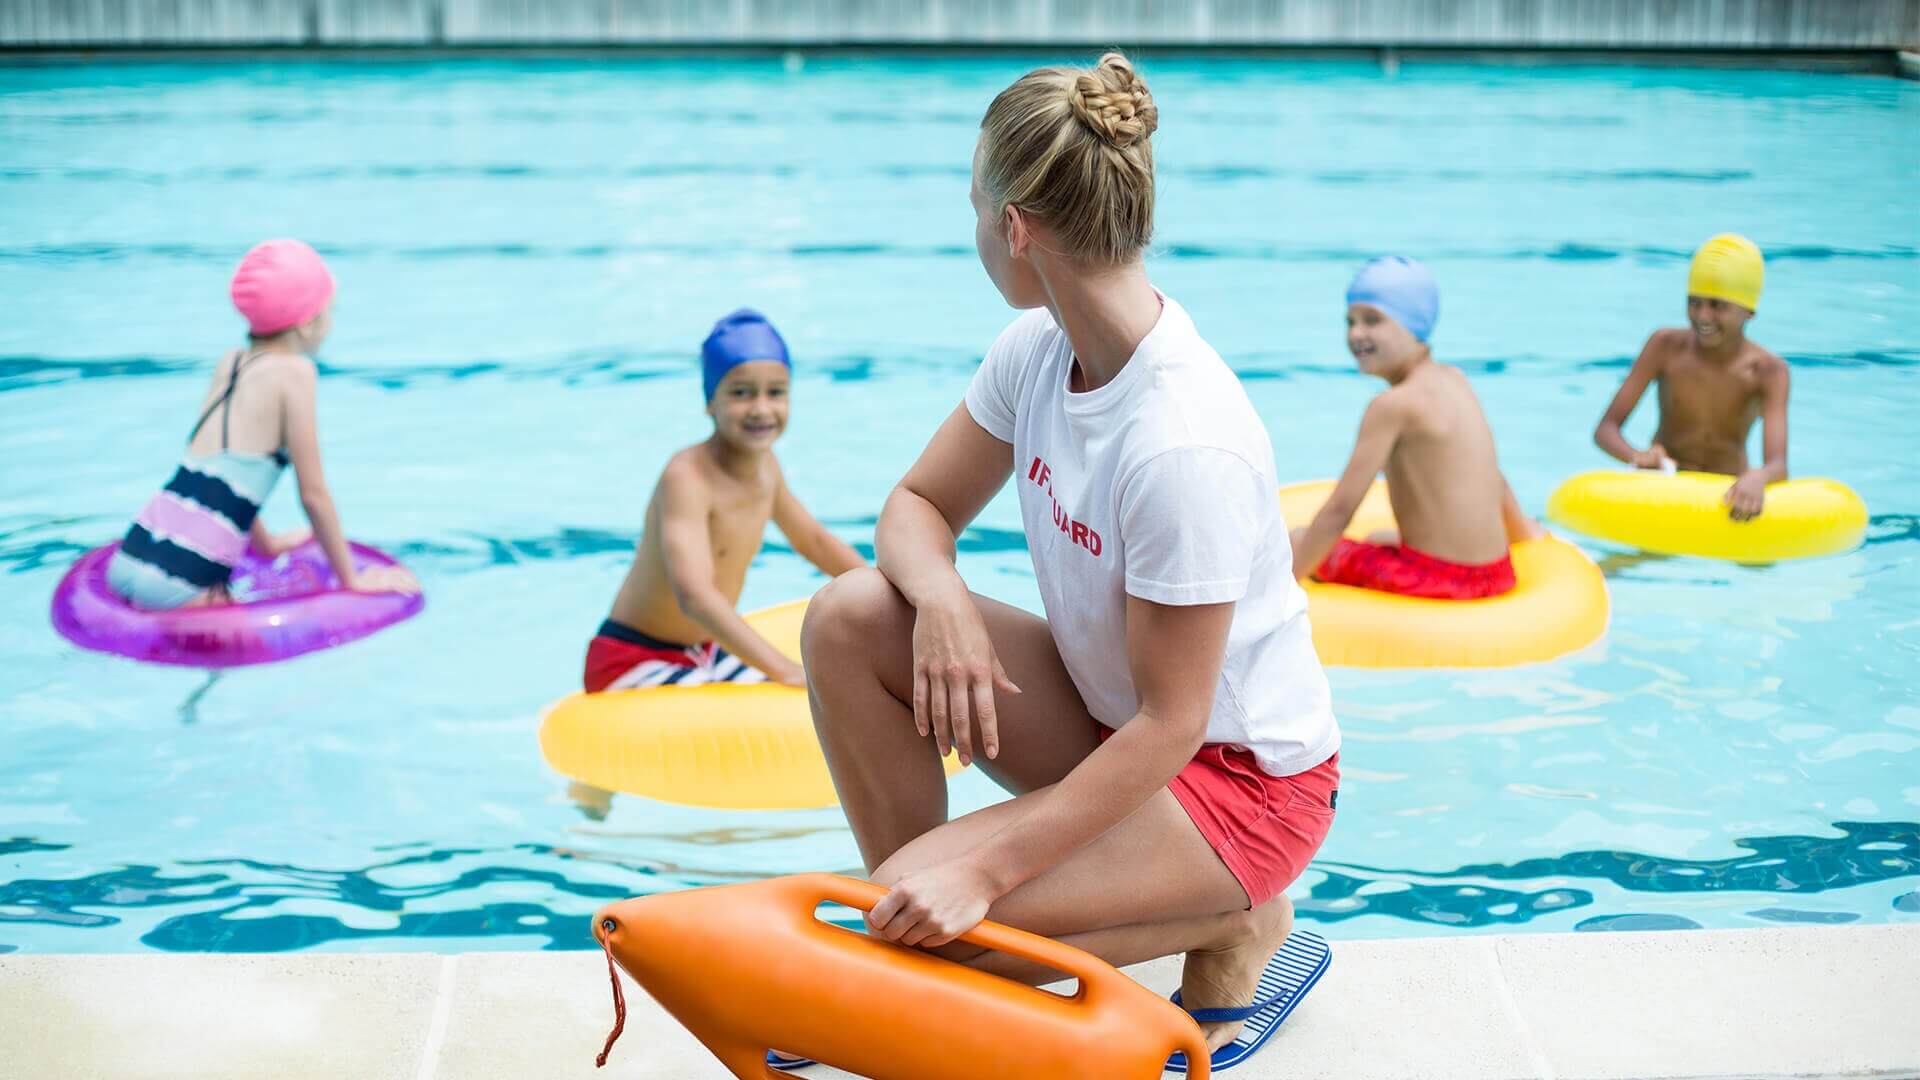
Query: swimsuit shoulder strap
point(225, 398)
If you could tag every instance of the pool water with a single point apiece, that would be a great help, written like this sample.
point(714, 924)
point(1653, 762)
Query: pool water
point(529, 254)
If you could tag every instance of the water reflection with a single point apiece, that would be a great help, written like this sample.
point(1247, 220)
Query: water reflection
point(549, 891)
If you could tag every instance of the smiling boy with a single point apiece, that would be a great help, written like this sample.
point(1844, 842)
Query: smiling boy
point(674, 620)
point(1714, 383)
point(1455, 512)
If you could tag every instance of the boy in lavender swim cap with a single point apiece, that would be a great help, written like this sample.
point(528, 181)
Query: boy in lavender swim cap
point(673, 621)
point(1456, 513)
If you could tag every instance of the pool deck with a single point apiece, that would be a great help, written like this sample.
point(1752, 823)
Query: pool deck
point(1803, 1002)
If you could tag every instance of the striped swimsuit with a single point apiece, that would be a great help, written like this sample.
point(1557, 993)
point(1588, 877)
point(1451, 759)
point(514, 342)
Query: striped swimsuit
point(188, 537)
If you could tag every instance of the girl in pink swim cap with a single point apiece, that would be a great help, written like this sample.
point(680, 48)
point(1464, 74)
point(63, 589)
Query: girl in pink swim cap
point(257, 417)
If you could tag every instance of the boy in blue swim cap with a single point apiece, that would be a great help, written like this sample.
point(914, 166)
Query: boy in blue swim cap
point(674, 619)
point(1457, 516)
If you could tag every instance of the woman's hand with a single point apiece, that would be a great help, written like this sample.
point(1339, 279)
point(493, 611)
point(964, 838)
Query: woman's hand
point(954, 675)
point(933, 906)
point(793, 675)
point(1746, 497)
point(375, 579)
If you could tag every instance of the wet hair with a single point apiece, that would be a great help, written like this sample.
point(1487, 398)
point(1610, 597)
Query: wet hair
point(1072, 147)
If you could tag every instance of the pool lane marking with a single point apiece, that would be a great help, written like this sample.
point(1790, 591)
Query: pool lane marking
point(437, 1029)
point(1542, 1066)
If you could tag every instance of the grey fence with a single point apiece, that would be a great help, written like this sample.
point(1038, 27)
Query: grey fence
point(1774, 25)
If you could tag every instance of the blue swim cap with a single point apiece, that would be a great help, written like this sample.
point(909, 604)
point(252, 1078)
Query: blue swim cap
point(740, 338)
point(1402, 288)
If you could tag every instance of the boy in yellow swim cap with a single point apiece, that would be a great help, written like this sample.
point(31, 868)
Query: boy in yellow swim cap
point(1714, 383)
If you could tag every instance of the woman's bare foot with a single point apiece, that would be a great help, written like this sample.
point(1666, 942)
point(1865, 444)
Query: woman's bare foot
point(1227, 975)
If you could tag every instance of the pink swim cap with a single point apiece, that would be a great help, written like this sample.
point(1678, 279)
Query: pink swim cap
point(279, 285)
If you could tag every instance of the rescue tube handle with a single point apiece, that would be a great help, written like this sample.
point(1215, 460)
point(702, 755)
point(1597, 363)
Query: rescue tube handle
point(1096, 975)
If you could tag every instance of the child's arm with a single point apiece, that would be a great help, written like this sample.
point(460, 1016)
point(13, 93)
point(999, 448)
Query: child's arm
point(1607, 435)
point(271, 544)
point(302, 427)
point(810, 538)
point(687, 544)
point(1519, 525)
point(1379, 430)
point(1748, 495)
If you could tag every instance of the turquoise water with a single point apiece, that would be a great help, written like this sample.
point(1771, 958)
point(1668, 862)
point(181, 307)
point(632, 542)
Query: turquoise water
point(528, 257)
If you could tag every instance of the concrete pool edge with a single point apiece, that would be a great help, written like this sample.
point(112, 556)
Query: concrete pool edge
point(1801, 1002)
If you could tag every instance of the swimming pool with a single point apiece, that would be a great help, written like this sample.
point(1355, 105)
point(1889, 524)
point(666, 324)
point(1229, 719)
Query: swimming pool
point(529, 254)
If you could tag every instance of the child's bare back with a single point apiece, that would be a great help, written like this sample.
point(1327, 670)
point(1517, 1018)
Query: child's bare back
point(1443, 476)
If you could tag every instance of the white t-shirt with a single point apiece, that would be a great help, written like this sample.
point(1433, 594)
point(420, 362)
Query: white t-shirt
point(1159, 485)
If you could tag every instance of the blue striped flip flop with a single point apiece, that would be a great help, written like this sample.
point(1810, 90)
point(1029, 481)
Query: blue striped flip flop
point(775, 1061)
point(1302, 959)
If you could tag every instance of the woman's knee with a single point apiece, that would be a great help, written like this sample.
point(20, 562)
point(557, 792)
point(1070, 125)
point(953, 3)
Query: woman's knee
point(918, 854)
point(888, 873)
point(851, 612)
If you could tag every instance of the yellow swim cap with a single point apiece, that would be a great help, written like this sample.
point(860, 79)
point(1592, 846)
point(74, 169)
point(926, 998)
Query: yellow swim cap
point(1727, 267)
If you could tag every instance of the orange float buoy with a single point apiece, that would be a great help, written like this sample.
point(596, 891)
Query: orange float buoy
point(749, 968)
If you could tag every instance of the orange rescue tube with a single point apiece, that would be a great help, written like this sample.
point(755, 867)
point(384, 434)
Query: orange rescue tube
point(748, 968)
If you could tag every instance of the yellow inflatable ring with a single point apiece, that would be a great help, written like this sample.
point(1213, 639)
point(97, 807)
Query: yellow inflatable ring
point(1559, 604)
point(734, 747)
point(1681, 514)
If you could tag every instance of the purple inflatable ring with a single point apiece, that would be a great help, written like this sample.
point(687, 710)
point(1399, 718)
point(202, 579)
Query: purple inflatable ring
point(287, 606)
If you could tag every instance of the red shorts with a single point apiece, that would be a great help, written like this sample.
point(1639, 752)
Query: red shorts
point(622, 658)
point(1266, 829)
point(1407, 572)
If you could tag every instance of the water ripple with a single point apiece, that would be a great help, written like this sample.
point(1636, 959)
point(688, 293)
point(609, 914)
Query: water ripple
point(601, 365)
point(1230, 172)
point(1634, 922)
point(1570, 251)
point(31, 544)
point(248, 905)
point(585, 366)
point(1340, 897)
point(1892, 529)
point(1867, 853)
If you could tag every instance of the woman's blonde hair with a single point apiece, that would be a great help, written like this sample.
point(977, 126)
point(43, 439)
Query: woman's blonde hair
point(1071, 147)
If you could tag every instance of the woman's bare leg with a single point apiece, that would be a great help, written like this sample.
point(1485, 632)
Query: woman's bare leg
point(857, 646)
point(1151, 886)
